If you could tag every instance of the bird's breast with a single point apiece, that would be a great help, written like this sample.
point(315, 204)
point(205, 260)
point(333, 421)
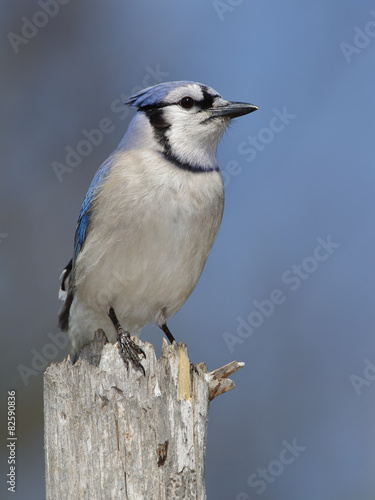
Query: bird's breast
point(152, 229)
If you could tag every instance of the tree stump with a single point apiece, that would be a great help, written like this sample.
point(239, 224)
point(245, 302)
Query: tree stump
point(113, 433)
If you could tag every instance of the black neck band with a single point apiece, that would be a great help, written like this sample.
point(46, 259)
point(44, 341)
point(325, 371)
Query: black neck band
point(187, 166)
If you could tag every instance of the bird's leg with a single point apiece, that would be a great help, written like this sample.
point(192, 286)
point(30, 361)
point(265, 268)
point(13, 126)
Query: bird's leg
point(168, 333)
point(128, 349)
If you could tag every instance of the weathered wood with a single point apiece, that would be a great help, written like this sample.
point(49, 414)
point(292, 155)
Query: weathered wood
point(111, 433)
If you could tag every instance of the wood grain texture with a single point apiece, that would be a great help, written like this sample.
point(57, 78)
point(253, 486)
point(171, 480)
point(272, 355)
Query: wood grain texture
point(116, 434)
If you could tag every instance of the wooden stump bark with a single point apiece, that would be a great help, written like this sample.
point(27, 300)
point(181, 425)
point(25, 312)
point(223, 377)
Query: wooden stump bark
point(113, 433)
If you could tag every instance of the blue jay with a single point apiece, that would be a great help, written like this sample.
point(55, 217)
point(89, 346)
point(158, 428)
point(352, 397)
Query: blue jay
point(149, 219)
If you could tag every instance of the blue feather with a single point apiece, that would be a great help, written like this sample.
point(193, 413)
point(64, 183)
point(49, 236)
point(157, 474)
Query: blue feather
point(147, 97)
point(155, 94)
point(84, 217)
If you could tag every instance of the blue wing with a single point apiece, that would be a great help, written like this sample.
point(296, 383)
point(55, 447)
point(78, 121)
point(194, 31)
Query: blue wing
point(84, 217)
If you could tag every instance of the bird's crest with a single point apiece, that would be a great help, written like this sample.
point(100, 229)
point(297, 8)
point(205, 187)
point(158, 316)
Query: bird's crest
point(157, 94)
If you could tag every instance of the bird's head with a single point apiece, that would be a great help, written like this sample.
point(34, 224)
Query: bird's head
point(185, 122)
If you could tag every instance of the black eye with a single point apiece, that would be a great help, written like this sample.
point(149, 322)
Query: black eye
point(187, 102)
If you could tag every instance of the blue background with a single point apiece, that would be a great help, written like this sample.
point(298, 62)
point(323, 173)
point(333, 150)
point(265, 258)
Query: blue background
point(313, 178)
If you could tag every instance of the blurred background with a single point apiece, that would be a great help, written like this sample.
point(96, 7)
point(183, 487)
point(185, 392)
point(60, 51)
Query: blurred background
point(289, 285)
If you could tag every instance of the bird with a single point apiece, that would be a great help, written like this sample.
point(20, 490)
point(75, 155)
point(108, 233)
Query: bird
point(149, 219)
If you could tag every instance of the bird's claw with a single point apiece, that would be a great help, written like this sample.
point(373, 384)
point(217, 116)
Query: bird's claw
point(129, 350)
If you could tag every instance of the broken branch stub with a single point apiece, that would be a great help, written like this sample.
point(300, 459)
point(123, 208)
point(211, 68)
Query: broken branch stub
point(114, 433)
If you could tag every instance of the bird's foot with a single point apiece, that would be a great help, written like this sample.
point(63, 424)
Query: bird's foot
point(129, 350)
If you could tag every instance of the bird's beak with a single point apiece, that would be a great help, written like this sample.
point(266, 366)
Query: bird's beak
point(233, 109)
